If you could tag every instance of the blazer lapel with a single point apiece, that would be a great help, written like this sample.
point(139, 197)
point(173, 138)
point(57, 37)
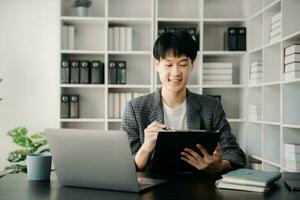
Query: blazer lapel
point(157, 113)
point(193, 116)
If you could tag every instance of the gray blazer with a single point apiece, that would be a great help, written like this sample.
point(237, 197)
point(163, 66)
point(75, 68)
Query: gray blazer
point(202, 112)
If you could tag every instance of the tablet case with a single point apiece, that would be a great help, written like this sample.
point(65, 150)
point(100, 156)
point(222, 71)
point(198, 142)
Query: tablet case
point(292, 185)
point(170, 144)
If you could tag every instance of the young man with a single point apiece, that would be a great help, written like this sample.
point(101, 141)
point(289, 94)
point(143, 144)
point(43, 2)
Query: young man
point(175, 106)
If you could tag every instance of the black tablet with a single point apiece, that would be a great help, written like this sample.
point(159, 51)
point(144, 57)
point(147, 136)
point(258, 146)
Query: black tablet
point(170, 144)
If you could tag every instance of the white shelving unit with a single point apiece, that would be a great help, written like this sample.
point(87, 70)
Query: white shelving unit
point(263, 138)
point(280, 122)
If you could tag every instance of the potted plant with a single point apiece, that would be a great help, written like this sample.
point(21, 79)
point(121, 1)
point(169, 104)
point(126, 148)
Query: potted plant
point(36, 143)
point(82, 7)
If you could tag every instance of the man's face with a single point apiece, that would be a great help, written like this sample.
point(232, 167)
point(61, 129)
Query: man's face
point(174, 72)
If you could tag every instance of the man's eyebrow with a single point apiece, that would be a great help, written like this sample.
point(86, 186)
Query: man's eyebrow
point(183, 59)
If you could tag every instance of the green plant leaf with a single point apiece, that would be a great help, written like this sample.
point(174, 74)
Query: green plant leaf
point(18, 155)
point(19, 137)
point(16, 168)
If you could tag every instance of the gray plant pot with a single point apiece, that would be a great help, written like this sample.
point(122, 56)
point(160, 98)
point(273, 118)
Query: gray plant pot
point(82, 11)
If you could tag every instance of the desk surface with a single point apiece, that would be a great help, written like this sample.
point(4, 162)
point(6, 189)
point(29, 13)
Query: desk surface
point(17, 187)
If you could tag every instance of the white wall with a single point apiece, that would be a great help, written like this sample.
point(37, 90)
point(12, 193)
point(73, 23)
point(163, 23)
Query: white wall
point(29, 60)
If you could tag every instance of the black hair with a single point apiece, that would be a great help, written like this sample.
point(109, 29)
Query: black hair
point(177, 43)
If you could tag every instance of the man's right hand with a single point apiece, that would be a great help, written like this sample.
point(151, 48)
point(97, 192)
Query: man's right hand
point(150, 134)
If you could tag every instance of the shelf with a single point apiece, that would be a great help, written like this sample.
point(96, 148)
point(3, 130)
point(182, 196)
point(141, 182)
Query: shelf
point(129, 52)
point(235, 120)
point(82, 85)
point(223, 20)
point(272, 4)
point(255, 86)
point(128, 86)
point(291, 126)
point(223, 53)
point(114, 120)
point(272, 163)
point(160, 19)
point(83, 120)
point(83, 20)
point(129, 20)
point(255, 122)
point(292, 81)
point(260, 12)
point(256, 157)
point(255, 50)
point(293, 36)
point(272, 83)
point(82, 52)
point(271, 123)
point(223, 86)
point(289, 170)
point(272, 43)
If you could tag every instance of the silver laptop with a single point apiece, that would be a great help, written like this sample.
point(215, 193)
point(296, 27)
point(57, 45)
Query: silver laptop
point(95, 159)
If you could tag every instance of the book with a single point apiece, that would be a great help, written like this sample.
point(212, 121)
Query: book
point(112, 72)
point(64, 37)
point(123, 38)
point(231, 39)
point(275, 18)
point(191, 31)
point(97, 72)
point(129, 38)
point(65, 72)
point(218, 65)
point(209, 77)
point(251, 177)
point(84, 72)
point(217, 71)
point(217, 82)
point(295, 66)
point(74, 106)
point(224, 185)
point(241, 39)
point(116, 38)
point(292, 148)
point(255, 69)
point(255, 64)
point(75, 73)
point(256, 166)
point(275, 32)
point(255, 75)
point(116, 105)
point(275, 25)
point(161, 30)
point(276, 38)
point(110, 38)
point(292, 156)
point(287, 76)
point(293, 49)
point(121, 72)
point(65, 106)
point(122, 103)
point(128, 96)
point(292, 58)
point(293, 165)
point(111, 105)
point(71, 37)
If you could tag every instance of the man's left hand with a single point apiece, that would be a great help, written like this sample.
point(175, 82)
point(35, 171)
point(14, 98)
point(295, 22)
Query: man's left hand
point(210, 163)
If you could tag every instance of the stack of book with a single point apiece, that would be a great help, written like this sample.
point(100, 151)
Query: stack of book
point(254, 112)
point(117, 72)
point(256, 165)
point(248, 180)
point(276, 29)
point(120, 38)
point(255, 73)
point(117, 102)
point(291, 62)
point(68, 37)
point(292, 156)
point(217, 73)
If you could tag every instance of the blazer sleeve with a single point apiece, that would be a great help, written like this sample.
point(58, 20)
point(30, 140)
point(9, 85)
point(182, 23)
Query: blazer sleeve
point(230, 149)
point(131, 127)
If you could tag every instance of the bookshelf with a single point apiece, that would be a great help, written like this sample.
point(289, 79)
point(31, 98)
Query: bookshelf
point(261, 138)
point(278, 99)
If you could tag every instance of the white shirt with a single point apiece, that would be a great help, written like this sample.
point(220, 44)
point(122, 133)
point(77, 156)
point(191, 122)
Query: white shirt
point(175, 117)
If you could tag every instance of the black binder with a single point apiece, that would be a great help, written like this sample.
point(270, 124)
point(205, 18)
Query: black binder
point(232, 39)
point(65, 72)
point(121, 72)
point(241, 38)
point(74, 106)
point(75, 72)
point(172, 29)
point(84, 72)
point(97, 72)
point(112, 72)
point(161, 30)
point(65, 107)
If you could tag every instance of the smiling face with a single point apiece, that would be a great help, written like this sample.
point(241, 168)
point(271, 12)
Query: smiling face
point(174, 72)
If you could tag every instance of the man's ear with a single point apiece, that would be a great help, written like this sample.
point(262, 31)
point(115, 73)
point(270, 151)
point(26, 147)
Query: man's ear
point(156, 63)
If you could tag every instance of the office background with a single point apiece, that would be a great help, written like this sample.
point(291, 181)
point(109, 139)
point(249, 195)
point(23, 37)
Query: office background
point(263, 112)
